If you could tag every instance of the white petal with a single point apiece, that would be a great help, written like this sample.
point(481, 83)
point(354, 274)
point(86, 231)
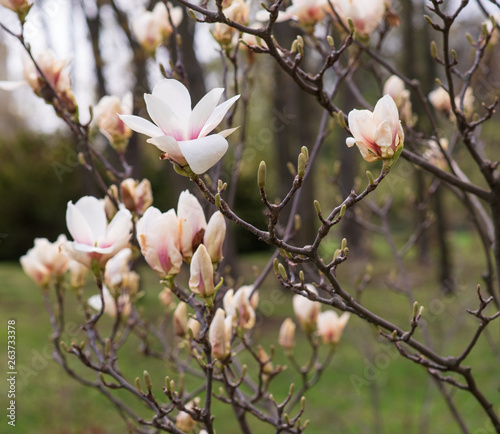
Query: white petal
point(12, 85)
point(386, 110)
point(383, 135)
point(201, 154)
point(93, 212)
point(141, 125)
point(226, 133)
point(174, 94)
point(217, 115)
point(119, 228)
point(170, 146)
point(362, 125)
point(201, 113)
point(163, 116)
point(78, 226)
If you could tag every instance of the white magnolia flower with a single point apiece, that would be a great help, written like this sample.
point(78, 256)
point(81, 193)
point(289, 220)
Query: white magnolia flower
point(182, 132)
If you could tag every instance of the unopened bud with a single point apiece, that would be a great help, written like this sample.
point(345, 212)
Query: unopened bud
point(138, 385)
point(282, 271)
point(317, 207)
point(415, 309)
point(301, 166)
point(261, 176)
point(305, 151)
point(297, 222)
point(331, 42)
point(303, 403)
point(147, 381)
point(343, 210)
point(344, 244)
point(370, 177)
point(434, 50)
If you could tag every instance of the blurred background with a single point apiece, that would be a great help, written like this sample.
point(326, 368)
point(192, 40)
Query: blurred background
point(373, 391)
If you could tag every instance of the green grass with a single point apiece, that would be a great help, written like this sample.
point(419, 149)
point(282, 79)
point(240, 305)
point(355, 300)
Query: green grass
point(367, 384)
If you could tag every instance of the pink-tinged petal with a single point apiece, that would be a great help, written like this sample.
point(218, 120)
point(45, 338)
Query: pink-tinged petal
point(202, 111)
point(228, 132)
point(365, 152)
point(386, 110)
point(217, 115)
point(85, 258)
point(141, 125)
point(78, 226)
point(362, 125)
point(85, 248)
point(383, 135)
point(201, 154)
point(174, 94)
point(119, 229)
point(170, 146)
point(92, 210)
point(163, 116)
point(145, 221)
point(165, 231)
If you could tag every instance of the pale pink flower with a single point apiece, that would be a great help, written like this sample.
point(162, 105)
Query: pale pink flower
point(305, 12)
point(287, 334)
point(45, 261)
point(77, 274)
point(180, 132)
point(158, 236)
point(94, 239)
point(136, 196)
point(153, 28)
point(331, 326)
point(306, 310)
point(201, 279)
point(219, 334)
point(366, 15)
point(21, 7)
point(377, 134)
point(180, 319)
point(192, 223)
point(109, 123)
point(241, 306)
point(214, 236)
point(117, 270)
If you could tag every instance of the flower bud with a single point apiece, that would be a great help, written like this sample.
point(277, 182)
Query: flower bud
point(184, 421)
point(214, 236)
point(306, 310)
point(137, 197)
point(219, 335)
point(241, 307)
point(195, 326)
point(109, 123)
point(180, 319)
point(287, 334)
point(111, 304)
point(77, 274)
point(263, 357)
point(192, 224)
point(166, 298)
point(109, 206)
point(331, 326)
point(201, 279)
point(117, 270)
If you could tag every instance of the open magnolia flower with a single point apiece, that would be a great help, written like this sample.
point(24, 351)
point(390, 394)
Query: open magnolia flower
point(93, 238)
point(366, 15)
point(378, 134)
point(182, 132)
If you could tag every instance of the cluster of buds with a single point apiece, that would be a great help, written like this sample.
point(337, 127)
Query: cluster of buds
point(440, 100)
point(153, 28)
point(168, 238)
point(236, 11)
point(55, 79)
point(241, 306)
point(110, 124)
point(328, 325)
point(113, 305)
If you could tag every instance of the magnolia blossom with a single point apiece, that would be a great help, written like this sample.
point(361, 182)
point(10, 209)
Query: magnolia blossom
point(194, 325)
point(184, 421)
point(111, 305)
point(214, 236)
point(237, 11)
point(306, 310)
point(166, 298)
point(331, 326)
point(265, 360)
point(182, 133)
point(201, 279)
point(241, 306)
point(305, 12)
point(45, 261)
point(136, 196)
point(158, 236)
point(440, 99)
point(377, 135)
point(110, 125)
point(180, 319)
point(152, 28)
point(219, 334)
point(395, 87)
point(287, 334)
point(93, 238)
point(192, 223)
point(366, 15)
point(434, 155)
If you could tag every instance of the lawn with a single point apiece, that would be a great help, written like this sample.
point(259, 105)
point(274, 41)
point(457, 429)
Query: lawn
point(368, 388)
